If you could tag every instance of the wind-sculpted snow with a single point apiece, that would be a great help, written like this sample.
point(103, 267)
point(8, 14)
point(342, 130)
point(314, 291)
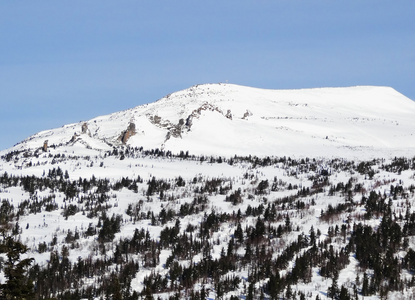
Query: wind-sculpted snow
point(225, 119)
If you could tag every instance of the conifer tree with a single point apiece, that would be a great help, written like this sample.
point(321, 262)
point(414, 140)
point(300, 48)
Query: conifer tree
point(333, 290)
point(17, 285)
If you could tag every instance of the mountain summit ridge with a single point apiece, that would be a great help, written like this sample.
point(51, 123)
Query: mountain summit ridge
point(228, 119)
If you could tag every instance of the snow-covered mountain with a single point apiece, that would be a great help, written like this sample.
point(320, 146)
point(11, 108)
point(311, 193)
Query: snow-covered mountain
point(152, 203)
point(226, 119)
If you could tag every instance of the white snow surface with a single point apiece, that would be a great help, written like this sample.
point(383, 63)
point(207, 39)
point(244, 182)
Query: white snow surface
point(359, 122)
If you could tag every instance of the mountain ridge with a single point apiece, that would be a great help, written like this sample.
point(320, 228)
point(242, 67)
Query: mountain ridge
point(228, 119)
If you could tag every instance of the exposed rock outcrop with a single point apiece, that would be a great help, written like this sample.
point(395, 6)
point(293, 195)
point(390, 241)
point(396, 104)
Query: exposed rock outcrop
point(159, 122)
point(84, 128)
point(125, 135)
point(176, 130)
point(45, 146)
point(229, 114)
point(197, 112)
point(246, 115)
point(173, 130)
point(74, 137)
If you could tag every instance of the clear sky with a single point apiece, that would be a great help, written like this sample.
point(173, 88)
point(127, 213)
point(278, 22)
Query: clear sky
point(66, 61)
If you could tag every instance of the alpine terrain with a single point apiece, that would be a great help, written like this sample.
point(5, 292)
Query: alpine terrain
point(218, 191)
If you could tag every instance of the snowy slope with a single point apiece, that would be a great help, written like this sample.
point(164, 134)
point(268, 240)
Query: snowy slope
point(54, 199)
point(226, 119)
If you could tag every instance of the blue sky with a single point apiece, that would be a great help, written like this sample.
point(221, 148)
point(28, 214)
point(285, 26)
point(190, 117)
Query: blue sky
point(66, 61)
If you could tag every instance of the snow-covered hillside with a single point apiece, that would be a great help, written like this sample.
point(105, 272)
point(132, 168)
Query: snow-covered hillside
point(136, 224)
point(225, 119)
point(217, 192)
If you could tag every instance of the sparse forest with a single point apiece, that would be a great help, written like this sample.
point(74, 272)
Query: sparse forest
point(259, 228)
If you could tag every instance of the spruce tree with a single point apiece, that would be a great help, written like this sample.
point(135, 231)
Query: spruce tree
point(17, 285)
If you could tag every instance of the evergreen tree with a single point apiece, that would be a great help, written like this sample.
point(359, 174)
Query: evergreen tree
point(344, 294)
point(17, 286)
point(288, 292)
point(250, 295)
point(365, 285)
point(333, 290)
